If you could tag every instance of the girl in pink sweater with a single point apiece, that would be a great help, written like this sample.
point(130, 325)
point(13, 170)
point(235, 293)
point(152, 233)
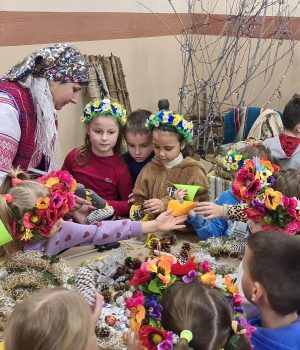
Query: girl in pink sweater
point(32, 212)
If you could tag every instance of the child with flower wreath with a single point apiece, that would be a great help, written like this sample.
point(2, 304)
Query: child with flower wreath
point(220, 227)
point(172, 163)
point(32, 212)
point(272, 285)
point(98, 164)
point(271, 199)
point(184, 306)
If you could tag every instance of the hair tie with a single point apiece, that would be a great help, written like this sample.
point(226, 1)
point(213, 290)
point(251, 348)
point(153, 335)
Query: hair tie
point(234, 325)
point(187, 335)
point(15, 181)
point(8, 198)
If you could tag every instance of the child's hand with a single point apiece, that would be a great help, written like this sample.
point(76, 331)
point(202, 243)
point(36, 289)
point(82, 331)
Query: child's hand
point(191, 213)
point(166, 222)
point(131, 199)
point(79, 202)
point(209, 210)
point(80, 215)
point(97, 309)
point(179, 194)
point(132, 341)
point(154, 206)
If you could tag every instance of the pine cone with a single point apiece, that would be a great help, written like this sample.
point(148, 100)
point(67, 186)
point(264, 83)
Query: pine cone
point(102, 332)
point(85, 284)
point(107, 295)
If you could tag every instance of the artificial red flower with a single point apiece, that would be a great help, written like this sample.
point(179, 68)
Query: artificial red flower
point(140, 277)
point(179, 269)
point(251, 189)
point(150, 337)
point(236, 190)
point(27, 222)
point(253, 214)
point(56, 200)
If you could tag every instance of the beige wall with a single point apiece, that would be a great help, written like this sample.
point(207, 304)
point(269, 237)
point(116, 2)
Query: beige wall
point(152, 65)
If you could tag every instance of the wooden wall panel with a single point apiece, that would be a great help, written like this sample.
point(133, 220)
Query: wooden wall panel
point(28, 28)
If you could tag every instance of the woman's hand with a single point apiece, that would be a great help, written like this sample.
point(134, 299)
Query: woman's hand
point(154, 206)
point(209, 210)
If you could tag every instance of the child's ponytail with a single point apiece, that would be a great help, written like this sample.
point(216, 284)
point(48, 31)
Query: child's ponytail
point(186, 336)
point(238, 339)
point(12, 178)
point(182, 345)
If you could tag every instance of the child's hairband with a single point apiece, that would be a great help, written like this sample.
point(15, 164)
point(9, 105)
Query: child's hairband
point(104, 107)
point(8, 197)
point(234, 325)
point(15, 181)
point(187, 335)
point(181, 125)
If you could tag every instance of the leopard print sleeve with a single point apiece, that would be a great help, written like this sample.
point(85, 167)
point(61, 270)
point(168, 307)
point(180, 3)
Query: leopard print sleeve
point(236, 212)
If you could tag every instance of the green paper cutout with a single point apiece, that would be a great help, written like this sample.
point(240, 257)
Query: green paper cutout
point(191, 190)
point(5, 237)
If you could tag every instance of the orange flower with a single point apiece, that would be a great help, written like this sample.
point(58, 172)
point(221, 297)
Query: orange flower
point(162, 268)
point(137, 316)
point(232, 288)
point(209, 278)
point(267, 164)
point(43, 202)
point(73, 186)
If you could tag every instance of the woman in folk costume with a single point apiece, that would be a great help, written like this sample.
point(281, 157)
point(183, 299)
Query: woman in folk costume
point(30, 94)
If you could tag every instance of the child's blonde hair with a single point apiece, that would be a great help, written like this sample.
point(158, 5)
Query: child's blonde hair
point(24, 196)
point(52, 319)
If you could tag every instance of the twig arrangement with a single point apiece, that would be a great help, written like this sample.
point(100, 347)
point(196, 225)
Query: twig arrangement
point(231, 59)
point(238, 65)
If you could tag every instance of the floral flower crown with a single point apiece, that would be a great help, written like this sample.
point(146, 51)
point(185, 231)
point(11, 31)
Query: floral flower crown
point(234, 160)
point(36, 223)
point(104, 107)
point(151, 281)
point(254, 185)
point(181, 125)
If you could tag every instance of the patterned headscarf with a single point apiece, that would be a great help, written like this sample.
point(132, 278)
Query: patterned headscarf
point(59, 62)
